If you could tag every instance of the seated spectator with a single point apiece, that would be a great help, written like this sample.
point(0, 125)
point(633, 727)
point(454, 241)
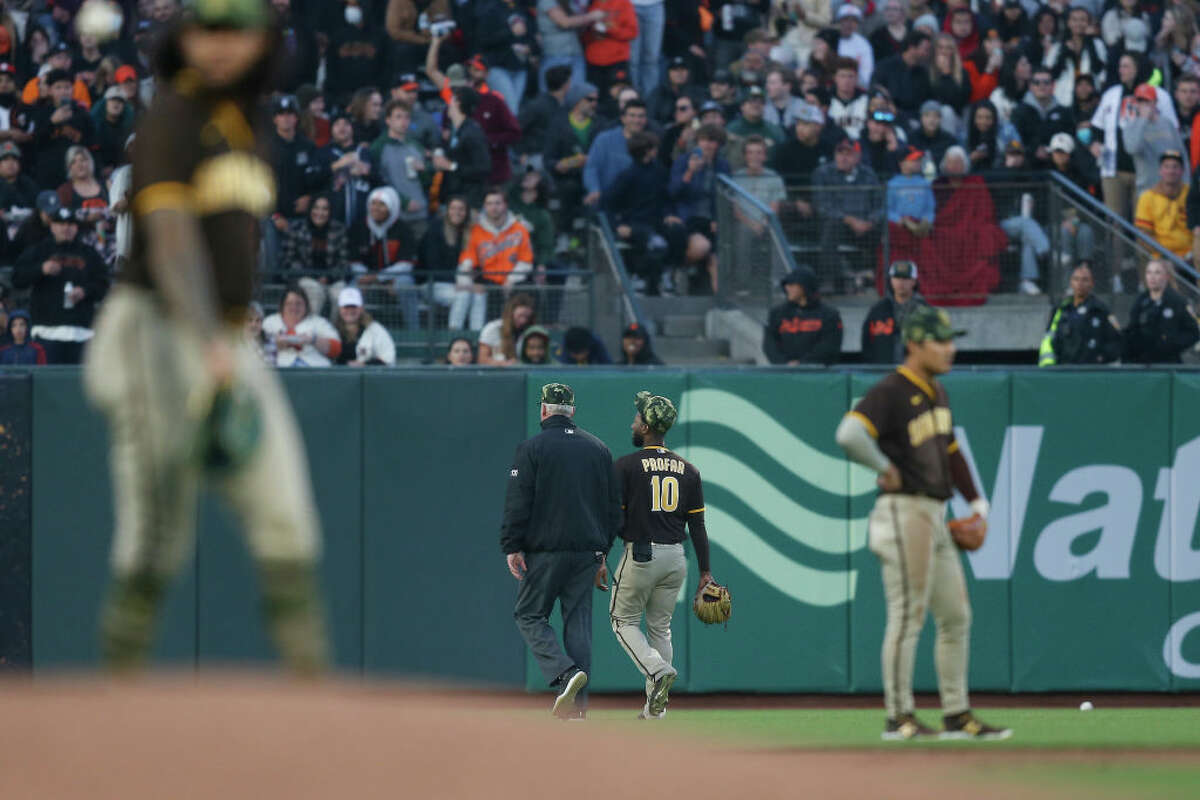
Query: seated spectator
point(20, 350)
point(35, 229)
point(528, 198)
point(797, 158)
point(318, 244)
point(678, 85)
point(930, 136)
point(460, 353)
point(888, 40)
point(1162, 209)
point(949, 83)
point(400, 164)
point(966, 238)
point(852, 45)
point(264, 346)
point(1015, 76)
point(693, 192)
point(568, 142)
point(422, 127)
point(721, 90)
point(498, 254)
point(750, 123)
point(850, 209)
point(636, 204)
point(987, 137)
point(1013, 24)
point(581, 347)
point(1187, 104)
point(314, 122)
point(906, 75)
point(113, 121)
point(467, 162)
point(761, 183)
point(802, 330)
point(636, 348)
point(58, 123)
point(301, 338)
point(1160, 325)
point(606, 45)
point(534, 346)
point(609, 155)
point(680, 135)
point(1146, 135)
point(83, 193)
point(848, 105)
point(364, 341)
point(355, 55)
point(983, 65)
point(351, 170)
point(16, 189)
point(910, 203)
point(68, 280)
point(437, 262)
point(498, 339)
point(883, 147)
point(1081, 329)
point(781, 106)
point(1039, 117)
point(881, 339)
point(382, 247)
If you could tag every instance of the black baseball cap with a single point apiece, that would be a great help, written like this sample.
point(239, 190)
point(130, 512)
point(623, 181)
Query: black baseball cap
point(57, 76)
point(722, 76)
point(407, 81)
point(48, 202)
point(903, 269)
point(678, 62)
point(284, 104)
point(1175, 154)
point(61, 47)
point(711, 105)
point(62, 214)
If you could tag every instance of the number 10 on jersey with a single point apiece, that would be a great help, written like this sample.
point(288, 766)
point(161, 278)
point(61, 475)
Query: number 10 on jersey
point(664, 493)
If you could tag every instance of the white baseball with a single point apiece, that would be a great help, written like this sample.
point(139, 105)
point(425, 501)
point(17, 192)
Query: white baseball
point(99, 18)
point(1086, 705)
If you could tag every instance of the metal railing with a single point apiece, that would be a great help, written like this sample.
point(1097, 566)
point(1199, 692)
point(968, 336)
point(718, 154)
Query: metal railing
point(753, 253)
point(604, 256)
point(419, 315)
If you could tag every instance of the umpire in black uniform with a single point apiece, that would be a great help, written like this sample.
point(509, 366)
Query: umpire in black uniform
point(561, 514)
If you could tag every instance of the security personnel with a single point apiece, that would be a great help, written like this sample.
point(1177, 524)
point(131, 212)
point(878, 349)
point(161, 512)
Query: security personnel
point(802, 330)
point(561, 514)
point(1160, 325)
point(881, 340)
point(1081, 330)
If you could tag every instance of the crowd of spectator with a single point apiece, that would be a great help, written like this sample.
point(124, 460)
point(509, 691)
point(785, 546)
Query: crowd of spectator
point(441, 158)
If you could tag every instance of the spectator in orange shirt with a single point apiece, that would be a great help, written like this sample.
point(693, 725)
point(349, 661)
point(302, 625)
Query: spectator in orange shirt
point(59, 58)
point(606, 44)
point(498, 253)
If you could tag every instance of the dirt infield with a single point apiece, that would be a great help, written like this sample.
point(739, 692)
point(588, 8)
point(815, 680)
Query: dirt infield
point(255, 738)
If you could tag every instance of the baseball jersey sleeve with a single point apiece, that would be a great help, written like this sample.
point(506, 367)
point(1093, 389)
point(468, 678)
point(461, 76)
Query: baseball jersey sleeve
point(874, 411)
point(163, 163)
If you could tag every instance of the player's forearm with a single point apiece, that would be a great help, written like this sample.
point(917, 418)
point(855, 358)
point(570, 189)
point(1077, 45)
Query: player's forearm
point(960, 473)
point(699, 536)
point(860, 447)
point(178, 259)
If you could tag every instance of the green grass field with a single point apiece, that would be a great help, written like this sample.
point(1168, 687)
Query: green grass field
point(1113, 753)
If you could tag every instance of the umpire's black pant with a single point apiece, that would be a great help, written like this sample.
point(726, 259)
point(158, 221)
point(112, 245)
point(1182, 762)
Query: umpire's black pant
point(566, 577)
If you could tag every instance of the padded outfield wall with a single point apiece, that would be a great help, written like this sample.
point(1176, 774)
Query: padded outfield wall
point(1090, 578)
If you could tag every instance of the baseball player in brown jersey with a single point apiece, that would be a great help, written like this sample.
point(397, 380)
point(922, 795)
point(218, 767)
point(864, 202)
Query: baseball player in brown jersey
point(185, 394)
point(903, 430)
point(661, 495)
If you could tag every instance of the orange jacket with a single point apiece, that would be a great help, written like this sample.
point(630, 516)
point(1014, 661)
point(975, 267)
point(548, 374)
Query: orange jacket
point(982, 83)
point(503, 253)
point(612, 46)
point(79, 93)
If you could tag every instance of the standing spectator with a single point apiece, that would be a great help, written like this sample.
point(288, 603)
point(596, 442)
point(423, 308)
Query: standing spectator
point(504, 37)
point(298, 171)
point(466, 163)
point(68, 280)
point(538, 114)
point(802, 330)
point(318, 245)
point(401, 165)
point(851, 43)
point(735, 24)
point(636, 347)
point(498, 338)
point(848, 106)
point(559, 24)
point(568, 143)
point(881, 339)
point(761, 183)
point(582, 348)
point(1147, 135)
point(364, 341)
point(499, 126)
point(351, 170)
point(20, 351)
point(1079, 53)
point(1081, 329)
point(561, 514)
point(636, 204)
point(646, 49)
point(298, 42)
point(301, 338)
point(1162, 209)
point(355, 55)
point(1040, 116)
point(606, 44)
point(58, 123)
point(906, 75)
point(850, 209)
point(609, 153)
point(693, 192)
point(661, 101)
point(498, 254)
point(1160, 325)
point(1187, 104)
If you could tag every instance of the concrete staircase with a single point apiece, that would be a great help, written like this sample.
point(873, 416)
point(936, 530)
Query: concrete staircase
point(680, 324)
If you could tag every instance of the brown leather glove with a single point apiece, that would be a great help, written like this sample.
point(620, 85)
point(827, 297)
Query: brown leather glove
point(969, 532)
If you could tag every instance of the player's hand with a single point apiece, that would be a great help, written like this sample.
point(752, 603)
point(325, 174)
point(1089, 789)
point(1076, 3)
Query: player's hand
point(890, 480)
point(516, 565)
point(602, 578)
point(705, 579)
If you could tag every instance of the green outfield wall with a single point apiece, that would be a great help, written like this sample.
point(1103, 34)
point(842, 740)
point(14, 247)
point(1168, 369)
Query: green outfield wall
point(1090, 577)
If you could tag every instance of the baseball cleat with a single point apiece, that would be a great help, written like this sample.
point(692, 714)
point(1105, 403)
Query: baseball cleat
point(566, 695)
point(645, 714)
point(906, 726)
point(966, 726)
point(656, 704)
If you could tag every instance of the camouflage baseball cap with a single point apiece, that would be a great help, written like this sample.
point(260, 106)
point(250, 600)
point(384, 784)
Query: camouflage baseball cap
point(228, 13)
point(657, 411)
point(558, 394)
point(926, 322)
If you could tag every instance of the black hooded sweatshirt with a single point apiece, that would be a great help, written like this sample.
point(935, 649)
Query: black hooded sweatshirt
point(809, 333)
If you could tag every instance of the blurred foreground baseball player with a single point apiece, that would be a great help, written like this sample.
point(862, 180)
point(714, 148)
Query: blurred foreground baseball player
point(185, 394)
point(561, 514)
point(661, 495)
point(903, 430)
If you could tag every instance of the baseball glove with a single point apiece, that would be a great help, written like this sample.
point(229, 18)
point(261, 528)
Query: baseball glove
point(713, 604)
point(230, 433)
point(969, 532)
